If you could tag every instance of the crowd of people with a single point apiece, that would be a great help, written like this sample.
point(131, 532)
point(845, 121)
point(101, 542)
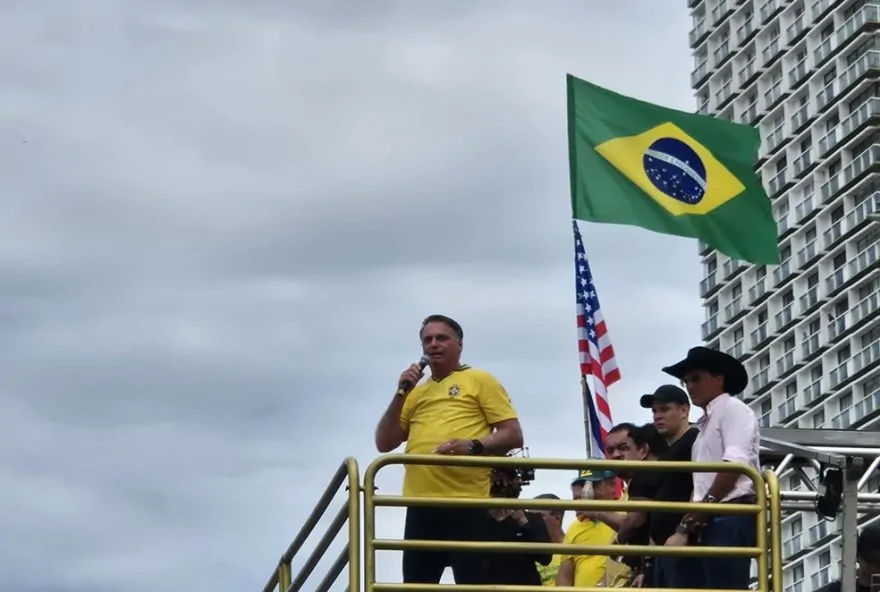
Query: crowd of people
point(461, 410)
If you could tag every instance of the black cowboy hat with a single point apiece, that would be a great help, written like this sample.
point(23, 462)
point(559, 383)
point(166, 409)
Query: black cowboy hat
point(716, 362)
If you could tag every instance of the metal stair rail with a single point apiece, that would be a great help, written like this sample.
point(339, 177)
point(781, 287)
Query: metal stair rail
point(767, 512)
point(282, 578)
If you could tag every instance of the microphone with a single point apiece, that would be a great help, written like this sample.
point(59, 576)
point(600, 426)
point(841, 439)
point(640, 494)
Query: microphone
point(406, 386)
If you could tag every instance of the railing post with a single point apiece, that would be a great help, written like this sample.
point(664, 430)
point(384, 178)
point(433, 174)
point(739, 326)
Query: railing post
point(283, 576)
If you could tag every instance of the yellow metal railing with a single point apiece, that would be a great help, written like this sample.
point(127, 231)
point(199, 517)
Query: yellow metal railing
point(282, 578)
point(766, 551)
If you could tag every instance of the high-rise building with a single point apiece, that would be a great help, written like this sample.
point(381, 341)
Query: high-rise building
point(804, 72)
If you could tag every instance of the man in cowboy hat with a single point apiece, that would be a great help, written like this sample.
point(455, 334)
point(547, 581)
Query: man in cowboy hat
point(728, 433)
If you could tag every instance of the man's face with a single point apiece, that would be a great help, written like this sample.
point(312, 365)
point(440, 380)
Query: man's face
point(441, 344)
point(620, 446)
point(605, 490)
point(670, 417)
point(577, 490)
point(703, 386)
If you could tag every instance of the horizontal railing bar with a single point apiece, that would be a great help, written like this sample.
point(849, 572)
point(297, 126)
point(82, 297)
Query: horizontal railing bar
point(311, 522)
point(562, 548)
point(334, 572)
point(551, 463)
point(398, 501)
point(388, 587)
point(320, 549)
point(813, 496)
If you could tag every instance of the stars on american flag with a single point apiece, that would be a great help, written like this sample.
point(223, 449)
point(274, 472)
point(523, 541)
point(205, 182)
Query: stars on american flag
point(594, 345)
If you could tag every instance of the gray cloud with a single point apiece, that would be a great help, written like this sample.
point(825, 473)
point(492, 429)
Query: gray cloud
point(222, 224)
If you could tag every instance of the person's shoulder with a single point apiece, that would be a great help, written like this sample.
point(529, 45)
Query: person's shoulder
point(478, 375)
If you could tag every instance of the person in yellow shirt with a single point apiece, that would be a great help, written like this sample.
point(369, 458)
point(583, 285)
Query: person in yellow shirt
point(459, 410)
point(588, 570)
point(553, 519)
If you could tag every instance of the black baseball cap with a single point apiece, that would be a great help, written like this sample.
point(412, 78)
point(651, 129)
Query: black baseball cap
point(667, 393)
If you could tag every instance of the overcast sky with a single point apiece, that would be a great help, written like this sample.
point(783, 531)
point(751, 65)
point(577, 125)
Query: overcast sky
point(223, 223)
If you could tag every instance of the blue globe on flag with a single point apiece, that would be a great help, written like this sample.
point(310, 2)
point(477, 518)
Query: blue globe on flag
point(676, 170)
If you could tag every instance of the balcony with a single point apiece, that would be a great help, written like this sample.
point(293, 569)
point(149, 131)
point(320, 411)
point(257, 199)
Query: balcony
point(829, 187)
point(828, 141)
point(804, 207)
point(821, 578)
point(807, 253)
point(813, 392)
point(709, 327)
point(836, 279)
point(823, 50)
point(810, 345)
point(804, 159)
point(784, 317)
point(768, 9)
point(833, 234)
point(863, 260)
point(844, 419)
point(744, 31)
point(700, 73)
point(860, 213)
point(818, 8)
point(721, 52)
point(731, 266)
point(809, 299)
point(861, 163)
point(757, 291)
point(866, 307)
point(787, 408)
point(792, 546)
point(865, 111)
point(866, 358)
point(761, 379)
point(737, 350)
point(785, 363)
point(747, 72)
point(776, 183)
point(798, 119)
point(839, 374)
point(721, 10)
point(759, 335)
point(869, 61)
point(795, 28)
point(699, 31)
point(782, 272)
point(708, 284)
point(870, 13)
point(723, 92)
point(733, 309)
point(826, 95)
point(836, 327)
point(770, 52)
point(867, 406)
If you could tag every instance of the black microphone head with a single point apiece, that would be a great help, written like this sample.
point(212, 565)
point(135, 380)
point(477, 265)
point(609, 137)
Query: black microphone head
point(424, 361)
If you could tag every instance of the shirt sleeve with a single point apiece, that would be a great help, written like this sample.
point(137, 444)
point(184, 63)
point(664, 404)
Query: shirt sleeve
point(406, 411)
point(495, 401)
point(643, 486)
point(739, 433)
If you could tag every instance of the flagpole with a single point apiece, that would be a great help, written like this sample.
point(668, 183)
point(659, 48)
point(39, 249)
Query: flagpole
point(588, 430)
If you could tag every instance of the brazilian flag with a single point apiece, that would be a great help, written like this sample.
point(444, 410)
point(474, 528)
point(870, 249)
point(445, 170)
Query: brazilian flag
point(668, 171)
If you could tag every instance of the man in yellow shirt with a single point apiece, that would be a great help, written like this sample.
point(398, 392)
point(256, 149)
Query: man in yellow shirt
point(459, 410)
point(588, 570)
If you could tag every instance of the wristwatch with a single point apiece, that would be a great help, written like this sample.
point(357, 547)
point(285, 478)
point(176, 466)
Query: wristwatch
point(476, 447)
point(710, 499)
point(681, 529)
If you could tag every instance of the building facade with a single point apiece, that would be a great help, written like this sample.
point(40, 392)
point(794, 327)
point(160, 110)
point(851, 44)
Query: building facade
point(806, 73)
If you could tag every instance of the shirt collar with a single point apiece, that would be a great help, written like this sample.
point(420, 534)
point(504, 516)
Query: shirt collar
point(715, 403)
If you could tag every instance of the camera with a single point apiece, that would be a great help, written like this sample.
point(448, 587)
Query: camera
point(509, 481)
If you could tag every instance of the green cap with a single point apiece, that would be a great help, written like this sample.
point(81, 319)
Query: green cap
point(593, 476)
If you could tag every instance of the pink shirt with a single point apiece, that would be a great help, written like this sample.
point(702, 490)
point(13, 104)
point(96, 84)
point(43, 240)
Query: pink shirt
point(729, 433)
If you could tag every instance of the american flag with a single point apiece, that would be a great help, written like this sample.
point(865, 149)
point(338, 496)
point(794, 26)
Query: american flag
point(596, 353)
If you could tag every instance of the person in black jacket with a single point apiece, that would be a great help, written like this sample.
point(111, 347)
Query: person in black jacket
point(868, 551)
point(514, 526)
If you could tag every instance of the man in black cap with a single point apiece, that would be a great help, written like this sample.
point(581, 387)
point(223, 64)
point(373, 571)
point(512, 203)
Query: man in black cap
point(670, 407)
point(728, 433)
point(868, 551)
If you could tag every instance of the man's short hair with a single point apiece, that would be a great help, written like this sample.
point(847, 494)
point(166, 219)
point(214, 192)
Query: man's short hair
point(868, 544)
point(647, 435)
point(629, 428)
point(448, 321)
point(558, 513)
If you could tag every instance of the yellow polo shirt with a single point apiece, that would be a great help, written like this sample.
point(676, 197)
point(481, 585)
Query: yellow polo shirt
point(549, 572)
point(464, 405)
point(589, 570)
